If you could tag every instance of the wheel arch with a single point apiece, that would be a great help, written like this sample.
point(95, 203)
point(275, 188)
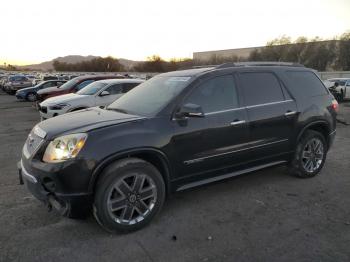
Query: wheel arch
point(321, 126)
point(154, 156)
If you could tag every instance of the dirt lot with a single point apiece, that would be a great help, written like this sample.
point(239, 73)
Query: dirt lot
point(263, 216)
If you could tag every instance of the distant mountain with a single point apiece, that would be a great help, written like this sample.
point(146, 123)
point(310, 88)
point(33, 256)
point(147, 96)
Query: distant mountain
point(72, 59)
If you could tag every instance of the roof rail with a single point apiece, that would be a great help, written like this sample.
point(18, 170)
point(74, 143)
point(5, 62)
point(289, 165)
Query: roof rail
point(242, 64)
point(203, 66)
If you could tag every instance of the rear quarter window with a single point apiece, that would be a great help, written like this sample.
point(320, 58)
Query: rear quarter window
point(306, 83)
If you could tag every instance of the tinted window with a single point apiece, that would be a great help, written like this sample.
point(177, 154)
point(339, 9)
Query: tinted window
point(128, 86)
point(306, 83)
point(215, 94)
point(260, 88)
point(83, 84)
point(114, 89)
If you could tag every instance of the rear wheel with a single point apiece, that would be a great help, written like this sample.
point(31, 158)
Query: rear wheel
point(310, 155)
point(128, 195)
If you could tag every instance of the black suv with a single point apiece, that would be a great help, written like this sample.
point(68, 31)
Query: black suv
point(176, 131)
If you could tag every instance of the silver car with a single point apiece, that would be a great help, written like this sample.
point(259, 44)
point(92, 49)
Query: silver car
point(17, 82)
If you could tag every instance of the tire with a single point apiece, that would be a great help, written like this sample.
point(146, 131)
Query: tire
point(311, 145)
point(127, 184)
point(31, 97)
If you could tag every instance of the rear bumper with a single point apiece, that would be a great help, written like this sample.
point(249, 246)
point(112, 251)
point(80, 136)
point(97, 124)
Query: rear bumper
point(66, 204)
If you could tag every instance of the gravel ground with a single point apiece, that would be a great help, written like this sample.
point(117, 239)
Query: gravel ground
point(263, 216)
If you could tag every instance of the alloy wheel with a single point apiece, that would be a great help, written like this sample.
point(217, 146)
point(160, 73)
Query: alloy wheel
point(31, 97)
point(132, 198)
point(312, 155)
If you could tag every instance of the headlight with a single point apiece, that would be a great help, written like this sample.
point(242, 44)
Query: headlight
point(59, 106)
point(64, 148)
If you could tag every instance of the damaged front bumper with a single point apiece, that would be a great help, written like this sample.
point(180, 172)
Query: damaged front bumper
point(71, 205)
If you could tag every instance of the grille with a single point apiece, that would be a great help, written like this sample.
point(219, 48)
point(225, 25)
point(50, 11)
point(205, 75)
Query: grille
point(32, 144)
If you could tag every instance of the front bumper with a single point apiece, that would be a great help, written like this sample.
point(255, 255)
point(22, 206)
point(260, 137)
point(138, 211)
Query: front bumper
point(20, 96)
point(67, 204)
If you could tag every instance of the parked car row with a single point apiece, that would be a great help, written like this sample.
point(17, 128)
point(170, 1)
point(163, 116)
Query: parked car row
point(31, 93)
point(98, 93)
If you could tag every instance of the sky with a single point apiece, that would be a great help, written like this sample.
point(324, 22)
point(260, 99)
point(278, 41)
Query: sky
point(40, 30)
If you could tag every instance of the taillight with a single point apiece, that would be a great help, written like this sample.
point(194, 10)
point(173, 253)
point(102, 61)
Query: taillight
point(335, 105)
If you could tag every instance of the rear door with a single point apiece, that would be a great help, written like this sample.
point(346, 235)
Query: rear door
point(271, 113)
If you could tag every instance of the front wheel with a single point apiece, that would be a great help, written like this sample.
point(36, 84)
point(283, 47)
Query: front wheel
point(310, 155)
point(31, 97)
point(128, 195)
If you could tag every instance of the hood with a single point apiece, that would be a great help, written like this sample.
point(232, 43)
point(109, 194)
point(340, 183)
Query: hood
point(84, 121)
point(63, 99)
point(51, 90)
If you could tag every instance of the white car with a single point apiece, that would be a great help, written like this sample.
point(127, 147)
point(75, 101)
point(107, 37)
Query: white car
point(98, 93)
point(342, 88)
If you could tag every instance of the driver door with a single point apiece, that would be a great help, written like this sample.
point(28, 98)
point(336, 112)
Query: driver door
point(217, 140)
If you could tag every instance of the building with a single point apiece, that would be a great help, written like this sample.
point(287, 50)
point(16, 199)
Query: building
point(240, 53)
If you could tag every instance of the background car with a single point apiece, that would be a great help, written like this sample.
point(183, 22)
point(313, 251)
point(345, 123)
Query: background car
point(98, 93)
point(17, 82)
point(30, 93)
point(72, 86)
point(342, 87)
point(42, 78)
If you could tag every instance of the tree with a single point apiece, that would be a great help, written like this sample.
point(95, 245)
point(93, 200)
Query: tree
point(343, 52)
point(99, 64)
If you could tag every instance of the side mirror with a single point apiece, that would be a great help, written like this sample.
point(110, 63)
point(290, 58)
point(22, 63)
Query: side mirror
point(190, 110)
point(105, 93)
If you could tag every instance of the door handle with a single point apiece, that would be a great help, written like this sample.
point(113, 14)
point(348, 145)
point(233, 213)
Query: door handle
point(237, 122)
point(290, 113)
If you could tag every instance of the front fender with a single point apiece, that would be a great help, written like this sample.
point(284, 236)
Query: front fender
point(132, 152)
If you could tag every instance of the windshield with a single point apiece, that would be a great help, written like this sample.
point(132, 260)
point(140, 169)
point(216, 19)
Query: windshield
point(92, 88)
point(69, 84)
point(148, 98)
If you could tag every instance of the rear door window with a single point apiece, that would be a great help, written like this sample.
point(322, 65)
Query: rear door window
point(128, 86)
point(306, 83)
point(260, 88)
